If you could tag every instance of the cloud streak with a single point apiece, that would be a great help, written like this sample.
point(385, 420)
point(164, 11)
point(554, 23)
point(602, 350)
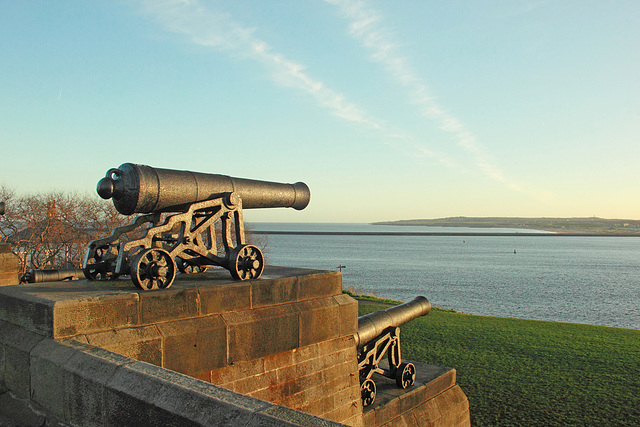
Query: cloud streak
point(218, 30)
point(204, 26)
point(365, 26)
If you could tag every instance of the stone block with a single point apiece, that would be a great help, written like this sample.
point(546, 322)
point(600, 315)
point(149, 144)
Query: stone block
point(256, 382)
point(100, 313)
point(319, 320)
point(9, 263)
point(228, 297)
point(48, 375)
point(411, 398)
point(168, 304)
point(348, 314)
point(440, 378)
point(277, 361)
point(142, 394)
point(253, 334)
point(237, 371)
point(319, 285)
point(281, 416)
point(141, 343)
point(86, 375)
point(17, 344)
point(454, 409)
point(302, 354)
point(268, 292)
point(194, 345)
point(24, 309)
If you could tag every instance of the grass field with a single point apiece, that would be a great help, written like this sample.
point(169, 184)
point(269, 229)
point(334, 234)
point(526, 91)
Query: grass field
point(531, 373)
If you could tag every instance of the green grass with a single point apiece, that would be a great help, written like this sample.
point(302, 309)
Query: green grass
point(525, 372)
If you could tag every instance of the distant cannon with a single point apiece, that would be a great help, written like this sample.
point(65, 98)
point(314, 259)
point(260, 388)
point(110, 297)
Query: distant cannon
point(379, 334)
point(51, 275)
point(199, 206)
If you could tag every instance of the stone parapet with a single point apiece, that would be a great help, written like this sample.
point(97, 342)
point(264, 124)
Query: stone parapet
point(67, 309)
point(83, 385)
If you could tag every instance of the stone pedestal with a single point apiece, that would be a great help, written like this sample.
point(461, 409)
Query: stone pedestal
point(278, 350)
point(434, 400)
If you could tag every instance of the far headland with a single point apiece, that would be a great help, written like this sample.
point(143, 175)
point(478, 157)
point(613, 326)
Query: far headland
point(568, 226)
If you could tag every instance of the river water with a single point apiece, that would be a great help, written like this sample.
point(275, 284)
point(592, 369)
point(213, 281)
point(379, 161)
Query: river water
point(591, 280)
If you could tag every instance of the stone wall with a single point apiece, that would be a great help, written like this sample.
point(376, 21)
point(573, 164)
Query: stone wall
point(81, 385)
point(209, 350)
point(320, 379)
point(293, 330)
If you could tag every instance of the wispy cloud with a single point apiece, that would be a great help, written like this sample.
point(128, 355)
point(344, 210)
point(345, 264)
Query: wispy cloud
point(207, 27)
point(365, 24)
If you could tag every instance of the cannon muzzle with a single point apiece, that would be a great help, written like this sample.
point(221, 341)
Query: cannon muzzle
point(372, 325)
point(144, 189)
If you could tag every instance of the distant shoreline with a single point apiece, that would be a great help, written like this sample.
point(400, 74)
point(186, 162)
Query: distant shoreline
point(433, 233)
point(591, 226)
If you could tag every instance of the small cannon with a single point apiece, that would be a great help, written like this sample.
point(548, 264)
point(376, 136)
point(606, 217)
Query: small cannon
point(379, 333)
point(199, 209)
point(51, 275)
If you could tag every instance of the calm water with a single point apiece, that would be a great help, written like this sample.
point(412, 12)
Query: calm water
point(593, 280)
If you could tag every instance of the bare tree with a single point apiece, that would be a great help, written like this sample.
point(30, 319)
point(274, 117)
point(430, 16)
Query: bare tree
point(52, 230)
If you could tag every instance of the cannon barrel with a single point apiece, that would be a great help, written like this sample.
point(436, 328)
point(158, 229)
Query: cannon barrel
point(373, 324)
point(51, 275)
point(144, 189)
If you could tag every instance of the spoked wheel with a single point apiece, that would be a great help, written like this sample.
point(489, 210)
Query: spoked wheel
point(405, 375)
point(368, 392)
point(153, 269)
point(188, 268)
point(246, 262)
point(98, 266)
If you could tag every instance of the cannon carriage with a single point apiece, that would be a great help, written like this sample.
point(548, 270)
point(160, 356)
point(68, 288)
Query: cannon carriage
point(190, 221)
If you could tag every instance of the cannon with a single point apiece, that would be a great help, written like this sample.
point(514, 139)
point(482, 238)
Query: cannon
point(379, 334)
point(51, 275)
point(185, 215)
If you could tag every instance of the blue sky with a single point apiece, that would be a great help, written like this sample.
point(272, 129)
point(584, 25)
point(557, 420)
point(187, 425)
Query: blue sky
point(387, 110)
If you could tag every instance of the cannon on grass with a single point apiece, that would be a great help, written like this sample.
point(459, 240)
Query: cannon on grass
point(185, 215)
point(379, 334)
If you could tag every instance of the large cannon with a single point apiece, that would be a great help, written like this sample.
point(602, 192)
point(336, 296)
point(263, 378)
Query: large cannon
point(379, 334)
point(185, 215)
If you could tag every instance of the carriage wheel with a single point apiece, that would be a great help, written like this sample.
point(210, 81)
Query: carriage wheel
point(246, 262)
point(153, 269)
point(97, 268)
point(405, 375)
point(368, 392)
